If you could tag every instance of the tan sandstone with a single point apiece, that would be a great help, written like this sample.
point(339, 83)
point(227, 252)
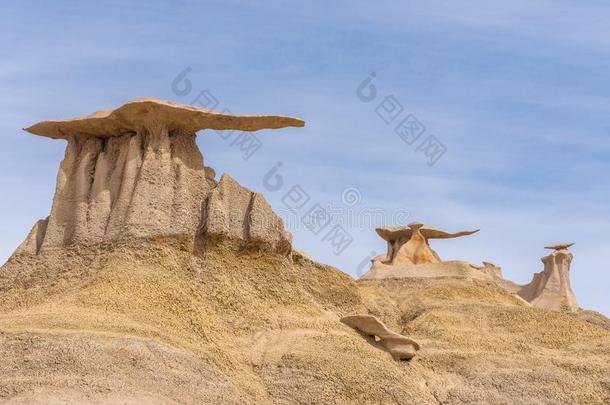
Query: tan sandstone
point(410, 256)
point(399, 346)
point(136, 172)
point(409, 245)
point(243, 322)
point(551, 288)
point(234, 214)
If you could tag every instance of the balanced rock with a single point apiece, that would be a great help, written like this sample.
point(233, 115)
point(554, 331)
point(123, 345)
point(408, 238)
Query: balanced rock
point(409, 255)
point(136, 172)
point(551, 288)
point(409, 245)
point(399, 346)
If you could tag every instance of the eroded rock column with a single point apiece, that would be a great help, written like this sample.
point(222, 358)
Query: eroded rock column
point(147, 184)
point(551, 288)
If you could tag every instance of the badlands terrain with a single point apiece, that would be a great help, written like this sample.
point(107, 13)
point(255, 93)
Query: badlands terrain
point(151, 281)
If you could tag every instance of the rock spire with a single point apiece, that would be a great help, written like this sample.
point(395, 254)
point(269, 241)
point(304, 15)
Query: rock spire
point(551, 288)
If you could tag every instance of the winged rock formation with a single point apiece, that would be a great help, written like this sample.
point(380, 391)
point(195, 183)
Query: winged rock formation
point(409, 255)
point(136, 172)
point(409, 245)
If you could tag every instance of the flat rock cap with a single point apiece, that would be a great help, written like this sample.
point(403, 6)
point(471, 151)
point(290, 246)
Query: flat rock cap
point(405, 232)
point(560, 246)
point(145, 112)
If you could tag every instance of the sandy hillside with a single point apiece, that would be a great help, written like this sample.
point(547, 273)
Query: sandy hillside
point(155, 324)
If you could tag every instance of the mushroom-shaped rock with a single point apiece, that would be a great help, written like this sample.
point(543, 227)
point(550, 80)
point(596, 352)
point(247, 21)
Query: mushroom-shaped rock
point(408, 245)
point(399, 346)
point(133, 172)
point(551, 288)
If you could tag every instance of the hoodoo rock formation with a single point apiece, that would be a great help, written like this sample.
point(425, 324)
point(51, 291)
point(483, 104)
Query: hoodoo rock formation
point(136, 172)
point(409, 245)
point(551, 287)
point(152, 282)
point(409, 255)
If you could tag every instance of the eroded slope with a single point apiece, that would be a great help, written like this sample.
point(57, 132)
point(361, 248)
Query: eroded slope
point(154, 323)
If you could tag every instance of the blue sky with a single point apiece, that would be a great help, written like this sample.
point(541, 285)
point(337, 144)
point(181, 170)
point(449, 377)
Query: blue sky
point(517, 92)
